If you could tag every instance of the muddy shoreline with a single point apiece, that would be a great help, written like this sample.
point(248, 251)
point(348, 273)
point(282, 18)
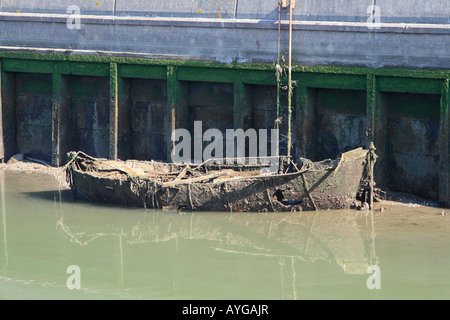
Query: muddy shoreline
point(402, 217)
point(29, 167)
point(391, 198)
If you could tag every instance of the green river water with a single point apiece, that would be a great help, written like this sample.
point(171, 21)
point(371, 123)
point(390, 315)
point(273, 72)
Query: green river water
point(124, 253)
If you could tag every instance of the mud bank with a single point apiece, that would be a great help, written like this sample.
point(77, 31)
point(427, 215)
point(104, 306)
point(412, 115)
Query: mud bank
point(382, 206)
point(28, 166)
point(406, 199)
point(25, 168)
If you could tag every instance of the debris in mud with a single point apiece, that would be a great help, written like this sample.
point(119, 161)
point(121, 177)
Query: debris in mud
point(28, 166)
point(363, 207)
point(23, 164)
point(407, 199)
point(16, 158)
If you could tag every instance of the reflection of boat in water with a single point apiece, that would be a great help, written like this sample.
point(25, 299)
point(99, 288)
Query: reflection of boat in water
point(345, 238)
point(329, 184)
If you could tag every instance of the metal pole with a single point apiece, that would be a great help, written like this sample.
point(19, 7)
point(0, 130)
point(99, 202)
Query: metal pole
point(290, 83)
point(278, 66)
point(279, 30)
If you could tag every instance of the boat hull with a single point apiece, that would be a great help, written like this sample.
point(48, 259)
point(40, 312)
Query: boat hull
point(334, 187)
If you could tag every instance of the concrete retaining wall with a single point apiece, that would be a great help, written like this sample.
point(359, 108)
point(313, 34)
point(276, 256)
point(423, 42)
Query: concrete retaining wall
point(324, 32)
point(400, 11)
point(135, 70)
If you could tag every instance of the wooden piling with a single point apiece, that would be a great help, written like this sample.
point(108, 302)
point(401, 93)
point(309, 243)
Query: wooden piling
point(2, 146)
point(172, 97)
point(113, 111)
point(444, 176)
point(59, 118)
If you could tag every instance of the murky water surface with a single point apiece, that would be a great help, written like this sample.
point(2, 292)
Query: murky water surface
point(401, 252)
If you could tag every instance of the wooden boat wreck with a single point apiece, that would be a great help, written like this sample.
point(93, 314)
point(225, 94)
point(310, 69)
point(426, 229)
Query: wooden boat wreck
point(328, 184)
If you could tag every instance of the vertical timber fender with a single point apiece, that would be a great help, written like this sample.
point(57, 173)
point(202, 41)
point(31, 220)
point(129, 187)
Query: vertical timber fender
point(444, 177)
point(114, 111)
point(2, 146)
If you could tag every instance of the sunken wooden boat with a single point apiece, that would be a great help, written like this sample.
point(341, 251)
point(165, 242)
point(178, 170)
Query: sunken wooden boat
point(304, 185)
